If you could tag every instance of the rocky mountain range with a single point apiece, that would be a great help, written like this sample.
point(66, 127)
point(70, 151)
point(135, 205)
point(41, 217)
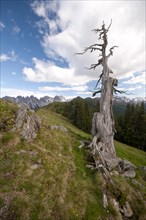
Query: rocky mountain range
point(33, 102)
point(127, 100)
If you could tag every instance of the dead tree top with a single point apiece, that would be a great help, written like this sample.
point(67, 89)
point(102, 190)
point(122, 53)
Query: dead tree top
point(101, 47)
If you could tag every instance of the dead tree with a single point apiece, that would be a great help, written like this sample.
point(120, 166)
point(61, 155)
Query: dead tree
point(103, 125)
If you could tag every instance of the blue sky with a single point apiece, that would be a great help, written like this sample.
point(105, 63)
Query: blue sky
point(39, 39)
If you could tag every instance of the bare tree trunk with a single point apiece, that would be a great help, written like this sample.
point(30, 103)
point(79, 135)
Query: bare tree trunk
point(103, 125)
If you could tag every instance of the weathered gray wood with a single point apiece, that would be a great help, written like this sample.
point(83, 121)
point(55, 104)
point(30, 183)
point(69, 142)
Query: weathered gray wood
point(103, 125)
point(103, 122)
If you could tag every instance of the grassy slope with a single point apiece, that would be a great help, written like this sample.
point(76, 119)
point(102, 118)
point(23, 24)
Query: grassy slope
point(135, 156)
point(47, 179)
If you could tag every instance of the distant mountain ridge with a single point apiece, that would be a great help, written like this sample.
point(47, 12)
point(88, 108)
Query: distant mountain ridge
point(119, 103)
point(33, 102)
point(125, 99)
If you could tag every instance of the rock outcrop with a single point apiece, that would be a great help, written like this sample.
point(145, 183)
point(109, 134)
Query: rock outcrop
point(27, 123)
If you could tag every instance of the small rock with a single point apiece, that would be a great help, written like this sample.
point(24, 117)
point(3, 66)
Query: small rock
point(127, 211)
point(90, 167)
point(60, 127)
point(125, 165)
point(142, 168)
point(39, 161)
point(9, 176)
point(129, 173)
point(112, 162)
point(23, 151)
point(34, 167)
point(81, 145)
point(7, 213)
point(117, 208)
point(137, 183)
point(105, 201)
point(33, 153)
point(116, 204)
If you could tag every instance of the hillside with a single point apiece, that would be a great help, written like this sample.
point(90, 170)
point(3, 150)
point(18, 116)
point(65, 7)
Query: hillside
point(130, 118)
point(47, 178)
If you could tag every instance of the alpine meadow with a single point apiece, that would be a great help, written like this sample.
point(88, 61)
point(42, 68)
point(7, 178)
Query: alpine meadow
point(72, 110)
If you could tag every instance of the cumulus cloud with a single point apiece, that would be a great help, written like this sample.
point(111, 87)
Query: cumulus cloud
point(70, 31)
point(10, 56)
point(49, 72)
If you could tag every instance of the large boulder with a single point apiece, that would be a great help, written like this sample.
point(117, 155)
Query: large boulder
point(27, 123)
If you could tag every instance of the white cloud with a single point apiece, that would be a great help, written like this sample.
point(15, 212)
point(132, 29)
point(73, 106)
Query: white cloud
point(15, 92)
point(84, 93)
point(141, 78)
point(10, 56)
point(58, 88)
point(48, 72)
point(43, 10)
point(76, 20)
point(22, 92)
point(4, 57)
point(134, 88)
point(131, 88)
point(2, 26)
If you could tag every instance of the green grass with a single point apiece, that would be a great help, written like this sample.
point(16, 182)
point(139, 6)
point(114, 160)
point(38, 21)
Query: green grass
point(135, 156)
point(47, 178)
point(7, 115)
point(52, 118)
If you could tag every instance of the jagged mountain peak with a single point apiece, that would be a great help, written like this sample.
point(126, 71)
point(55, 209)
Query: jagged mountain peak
point(59, 98)
point(35, 103)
